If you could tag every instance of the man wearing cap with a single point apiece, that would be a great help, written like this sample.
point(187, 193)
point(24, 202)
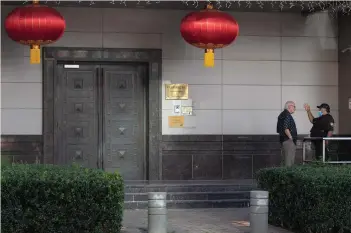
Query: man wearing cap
point(323, 126)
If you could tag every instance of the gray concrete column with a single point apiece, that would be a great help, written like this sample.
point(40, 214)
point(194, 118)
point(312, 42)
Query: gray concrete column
point(157, 212)
point(259, 211)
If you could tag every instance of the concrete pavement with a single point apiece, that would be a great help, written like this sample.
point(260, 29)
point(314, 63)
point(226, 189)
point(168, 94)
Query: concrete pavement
point(195, 221)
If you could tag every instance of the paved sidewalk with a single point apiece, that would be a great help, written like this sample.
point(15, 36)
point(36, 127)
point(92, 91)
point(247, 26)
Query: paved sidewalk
point(195, 221)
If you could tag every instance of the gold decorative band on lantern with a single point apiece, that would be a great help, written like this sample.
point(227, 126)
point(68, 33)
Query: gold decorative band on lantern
point(35, 54)
point(209, 6)
point(35, 2)
point(209, 45)
point(35, 42)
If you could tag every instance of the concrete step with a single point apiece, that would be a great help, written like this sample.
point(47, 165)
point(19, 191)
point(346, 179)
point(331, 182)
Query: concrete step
point(188, 188)
point(191, 195)
point(192, 204)
point(210, 196)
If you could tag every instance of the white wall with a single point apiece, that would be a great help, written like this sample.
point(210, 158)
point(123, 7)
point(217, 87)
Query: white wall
point(277, 57)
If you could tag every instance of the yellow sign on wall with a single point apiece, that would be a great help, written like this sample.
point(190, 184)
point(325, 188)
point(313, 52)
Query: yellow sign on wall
point(177, 91)
point(176, 121)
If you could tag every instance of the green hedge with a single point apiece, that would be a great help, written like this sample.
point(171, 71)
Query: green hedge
point(309, 199)
point(53, 199)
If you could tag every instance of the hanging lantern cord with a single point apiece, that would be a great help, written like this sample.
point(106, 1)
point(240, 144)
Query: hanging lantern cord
point(35, 48)
point(209, 58)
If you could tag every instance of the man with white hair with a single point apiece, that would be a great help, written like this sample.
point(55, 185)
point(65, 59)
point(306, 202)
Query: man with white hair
point(286, 128)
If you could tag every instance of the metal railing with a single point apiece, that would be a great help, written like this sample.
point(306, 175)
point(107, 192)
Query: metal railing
point(324, 139)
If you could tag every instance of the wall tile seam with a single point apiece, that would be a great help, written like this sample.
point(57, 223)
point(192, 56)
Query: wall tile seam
point(247, 60)
point(171, 32)
point(216, 84)
point(168, 33)
point(19, 82)
point(276, 85)
point(260, 85)
point(216, 59)
point(21, 134)
point(21, 108)
point(247, 109)
point(222, 59)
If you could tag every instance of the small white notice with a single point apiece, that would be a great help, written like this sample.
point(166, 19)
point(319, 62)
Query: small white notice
point(187, 110)
point(350, 103)
point(71, 66)
point(177, 108)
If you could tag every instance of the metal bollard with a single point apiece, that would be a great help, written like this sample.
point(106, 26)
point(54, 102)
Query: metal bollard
point(157, 211)
point(259, 211)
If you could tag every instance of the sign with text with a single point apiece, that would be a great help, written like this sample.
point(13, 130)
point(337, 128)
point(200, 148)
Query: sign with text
point(187, 110)
point(176, 91)
point(176, 109)
point(176, 121)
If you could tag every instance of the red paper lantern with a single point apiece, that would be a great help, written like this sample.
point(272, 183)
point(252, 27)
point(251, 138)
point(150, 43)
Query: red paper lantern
point(35, 25)
point(209, 29)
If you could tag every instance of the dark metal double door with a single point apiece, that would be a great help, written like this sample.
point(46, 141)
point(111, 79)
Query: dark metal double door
point(100, 117)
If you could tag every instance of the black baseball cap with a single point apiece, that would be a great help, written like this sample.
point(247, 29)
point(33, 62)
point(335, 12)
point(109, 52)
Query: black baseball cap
point(324, 105)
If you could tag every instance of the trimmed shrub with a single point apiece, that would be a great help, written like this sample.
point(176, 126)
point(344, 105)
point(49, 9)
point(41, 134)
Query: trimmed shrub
point(53, 199)
point(309, 199)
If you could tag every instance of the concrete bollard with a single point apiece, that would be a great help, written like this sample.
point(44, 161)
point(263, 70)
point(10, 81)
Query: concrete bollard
point(259, 211)
point(157, 212)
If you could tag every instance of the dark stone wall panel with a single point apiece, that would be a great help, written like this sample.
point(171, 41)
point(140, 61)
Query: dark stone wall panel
point(22, 148)
point(207, 166)
point(192, 157)
point(344, 89)
point(237, 166)
point(177, 166)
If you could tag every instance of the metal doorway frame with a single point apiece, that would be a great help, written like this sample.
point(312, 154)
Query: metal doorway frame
point(153, 57)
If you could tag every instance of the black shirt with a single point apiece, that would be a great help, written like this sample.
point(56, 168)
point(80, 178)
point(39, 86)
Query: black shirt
point(286, 121)
point(322, 125)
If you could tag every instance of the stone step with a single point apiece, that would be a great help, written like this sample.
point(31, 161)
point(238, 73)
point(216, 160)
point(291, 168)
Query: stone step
point(192, 196)
point(187, 188)
point(192, 204)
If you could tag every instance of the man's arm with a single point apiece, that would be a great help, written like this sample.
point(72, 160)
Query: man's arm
point(330, 134)
point(309, 113)
point(330, 127)
point(287, 132)
point(310, 116)
point(286, 126)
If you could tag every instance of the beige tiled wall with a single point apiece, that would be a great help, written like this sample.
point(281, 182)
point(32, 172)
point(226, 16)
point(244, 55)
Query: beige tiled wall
point(345, 74)
point(277, 57)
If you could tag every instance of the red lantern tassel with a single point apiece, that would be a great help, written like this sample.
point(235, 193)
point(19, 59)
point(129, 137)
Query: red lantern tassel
point(34, 54)
point(209, 58)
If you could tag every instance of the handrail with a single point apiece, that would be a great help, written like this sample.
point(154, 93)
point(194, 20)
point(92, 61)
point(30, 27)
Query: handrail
point(324, 139)
point(327, 138)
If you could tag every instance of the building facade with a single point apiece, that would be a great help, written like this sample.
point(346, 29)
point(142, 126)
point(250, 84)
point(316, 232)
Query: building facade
point(110, 111)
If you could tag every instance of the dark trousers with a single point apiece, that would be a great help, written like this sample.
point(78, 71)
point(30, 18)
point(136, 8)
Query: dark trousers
point(318, 147)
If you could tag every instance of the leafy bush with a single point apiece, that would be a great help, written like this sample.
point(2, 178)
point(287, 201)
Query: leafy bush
point(311, 199)
point(5, 160)
point(53, 199)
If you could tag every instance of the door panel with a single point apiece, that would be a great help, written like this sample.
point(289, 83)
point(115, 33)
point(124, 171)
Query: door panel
point(124, 111)
point(76, 131)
